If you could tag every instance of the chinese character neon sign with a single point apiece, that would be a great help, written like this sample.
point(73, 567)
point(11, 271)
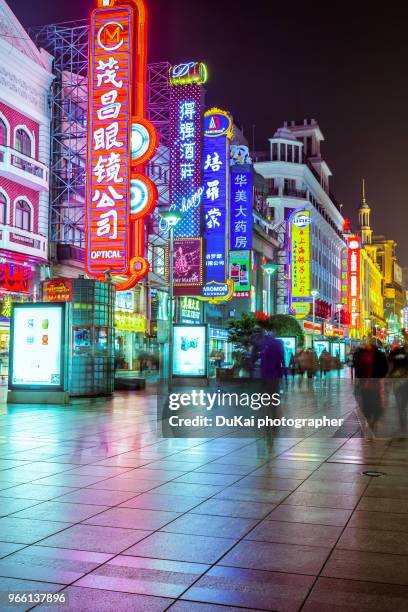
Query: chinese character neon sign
point(120, 141)
point(185, 157)
point(299, 263)
point(241, 211)
point(218, 132)
point(353, 244)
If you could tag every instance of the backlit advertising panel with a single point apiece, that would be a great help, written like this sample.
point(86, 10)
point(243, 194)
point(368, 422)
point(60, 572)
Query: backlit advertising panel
point(240, 272)
point(241, 210)
point(37, 346)
point(190, 350)
point(217, 135)
point(298, 246)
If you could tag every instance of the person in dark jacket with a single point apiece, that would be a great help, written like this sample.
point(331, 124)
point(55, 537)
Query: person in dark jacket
point(370, 367)
point(398, 360)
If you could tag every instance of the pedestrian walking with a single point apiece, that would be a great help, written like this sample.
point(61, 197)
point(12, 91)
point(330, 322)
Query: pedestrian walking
point(398, 372)
point(325, 363)
point(370, 367)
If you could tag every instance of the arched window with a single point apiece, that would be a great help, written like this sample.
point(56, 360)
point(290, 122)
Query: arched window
point(23, 142)
point(23, 215)
point(3, 208)
point(3, 132)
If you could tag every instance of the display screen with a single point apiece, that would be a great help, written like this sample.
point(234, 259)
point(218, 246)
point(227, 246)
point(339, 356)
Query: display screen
point(320, 346)
point(189, 350)
point(335, 350)
point(289, 348)
point(37, 346)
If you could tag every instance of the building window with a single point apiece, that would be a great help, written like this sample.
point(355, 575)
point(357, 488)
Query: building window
point(3, 133)
point(23, 215)
point(3, 208)
point(297, 157)
point(290, 153)
point(274, 151)
point(308, 146)
point(282, 152)
point(23, 142)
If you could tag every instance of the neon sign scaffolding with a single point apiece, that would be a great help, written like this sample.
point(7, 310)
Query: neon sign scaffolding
point(120, 141)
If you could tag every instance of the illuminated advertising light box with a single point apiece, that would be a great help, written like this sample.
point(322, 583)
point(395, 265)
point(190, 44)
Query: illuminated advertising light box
point(339, 350)
point(241, 210)
point(289, 348)
point(190, 349)
point(240, 272)
point(187, 265)
point(37, 346)
point(57, 290)
point(299, 263)
point(320, 346)
point(15, 277)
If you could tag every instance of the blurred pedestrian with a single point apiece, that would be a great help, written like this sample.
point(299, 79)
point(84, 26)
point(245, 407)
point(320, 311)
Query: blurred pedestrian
point(398, 360)
point(370, 366)
point(325, 362)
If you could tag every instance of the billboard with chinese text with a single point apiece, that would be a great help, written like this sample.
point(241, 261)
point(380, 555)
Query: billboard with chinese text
point(120, 141)
point(217, 134)
point(298, 245)
point(241, 209)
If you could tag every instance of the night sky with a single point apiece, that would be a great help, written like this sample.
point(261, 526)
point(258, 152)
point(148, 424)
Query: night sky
point(341, 63)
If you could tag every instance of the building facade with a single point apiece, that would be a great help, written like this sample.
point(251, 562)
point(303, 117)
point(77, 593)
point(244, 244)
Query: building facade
point(298, 178)
point(24, 169)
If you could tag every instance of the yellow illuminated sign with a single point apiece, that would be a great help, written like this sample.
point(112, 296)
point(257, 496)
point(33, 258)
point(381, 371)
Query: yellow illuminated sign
point(130, 321)
point(299, 272)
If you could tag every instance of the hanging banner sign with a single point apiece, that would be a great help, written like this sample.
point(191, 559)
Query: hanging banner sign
point(185, 157)
point(218, 131)
point(241, 210)
point(187, 264)
point(298, 246)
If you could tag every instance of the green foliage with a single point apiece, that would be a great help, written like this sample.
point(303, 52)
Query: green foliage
point(285, 326)
point(242, 331)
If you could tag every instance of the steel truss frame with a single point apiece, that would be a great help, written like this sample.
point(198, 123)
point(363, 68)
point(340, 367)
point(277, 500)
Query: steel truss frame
point(68, 43)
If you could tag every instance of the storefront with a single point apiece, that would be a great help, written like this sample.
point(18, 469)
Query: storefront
point(19, 282)
point(312, 333)
point(130, 330)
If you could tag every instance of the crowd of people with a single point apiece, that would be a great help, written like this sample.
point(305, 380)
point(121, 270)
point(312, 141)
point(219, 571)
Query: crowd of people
point(379, 374)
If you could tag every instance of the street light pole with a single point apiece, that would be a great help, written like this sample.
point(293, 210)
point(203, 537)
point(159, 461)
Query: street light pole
point(314, 293)
point(171, 217)
point(171, 311)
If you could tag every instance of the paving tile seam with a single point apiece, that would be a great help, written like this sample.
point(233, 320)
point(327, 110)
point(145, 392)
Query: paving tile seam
point(333, 548)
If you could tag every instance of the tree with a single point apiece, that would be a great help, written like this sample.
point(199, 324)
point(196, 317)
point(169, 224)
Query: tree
point(285, 326)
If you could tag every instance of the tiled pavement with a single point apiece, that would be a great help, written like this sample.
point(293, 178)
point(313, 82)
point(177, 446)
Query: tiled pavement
point(96, 505)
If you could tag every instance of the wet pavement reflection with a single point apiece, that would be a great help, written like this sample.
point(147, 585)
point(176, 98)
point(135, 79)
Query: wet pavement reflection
point(96, 505)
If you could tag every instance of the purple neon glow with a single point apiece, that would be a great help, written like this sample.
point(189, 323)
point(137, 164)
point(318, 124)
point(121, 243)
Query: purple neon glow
point(181, 138)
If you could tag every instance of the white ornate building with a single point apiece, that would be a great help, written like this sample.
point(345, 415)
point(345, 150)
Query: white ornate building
point(299, 177)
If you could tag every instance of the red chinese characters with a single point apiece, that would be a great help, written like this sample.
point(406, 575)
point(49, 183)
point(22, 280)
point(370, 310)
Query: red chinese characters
point(108, 140)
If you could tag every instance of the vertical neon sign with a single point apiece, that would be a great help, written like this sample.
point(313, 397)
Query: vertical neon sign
point(353, 244)
point(299, 263)
point(185, 157)
point(120, 141)
point(218, 131)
